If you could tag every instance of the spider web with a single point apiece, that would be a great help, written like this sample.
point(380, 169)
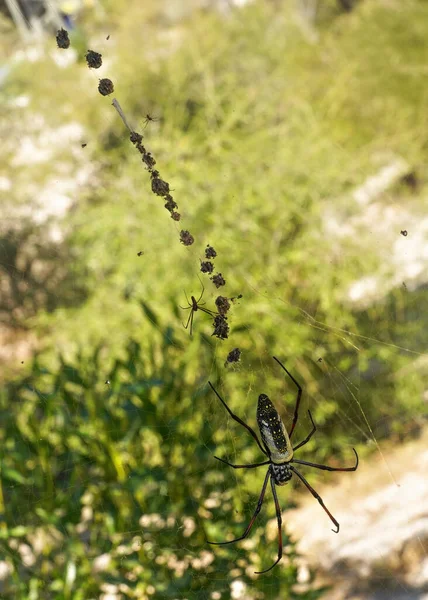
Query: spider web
point(387, 500)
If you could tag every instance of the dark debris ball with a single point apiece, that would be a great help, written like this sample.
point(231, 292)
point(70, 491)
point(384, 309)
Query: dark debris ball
point(207, 266)
point(210, 252)
point(221, 327)
point(105, 87)
point(159, 186)
point(94, 59)
point(62, 39)
point(218, 280)
point(136, 138)
point(234, 356)
point(186, 238)
point(170, 203)
point(149, 160)
point(223, 304)
point(175, 215)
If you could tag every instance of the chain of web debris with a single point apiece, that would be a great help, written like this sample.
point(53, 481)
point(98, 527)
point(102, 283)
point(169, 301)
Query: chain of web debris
point(161, 188)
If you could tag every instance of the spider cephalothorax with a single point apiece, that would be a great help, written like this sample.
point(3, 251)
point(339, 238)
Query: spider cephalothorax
point(277, 447)
point(281, 474)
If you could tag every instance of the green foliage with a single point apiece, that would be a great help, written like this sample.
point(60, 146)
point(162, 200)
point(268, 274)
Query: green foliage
point(121, 470)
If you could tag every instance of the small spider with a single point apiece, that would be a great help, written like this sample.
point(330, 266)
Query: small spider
point(195, 305)
point(148, 119)
point(276, 445)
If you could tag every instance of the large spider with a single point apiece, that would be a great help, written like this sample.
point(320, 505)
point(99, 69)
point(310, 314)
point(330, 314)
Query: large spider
point(195, 305)
point(276, 445)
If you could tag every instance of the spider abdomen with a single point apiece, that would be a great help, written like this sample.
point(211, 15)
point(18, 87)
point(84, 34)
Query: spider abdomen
point(273, 432)
point(281, 473)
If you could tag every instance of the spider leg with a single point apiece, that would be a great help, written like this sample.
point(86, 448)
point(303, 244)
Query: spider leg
point(192, 312)
point(326, 467)
point(237, 419)
point(253, 518)
point(308, 437)
point(317, 496)
point(279, 521)
point(188, 320)
point(212, 313)
point(299, 395)
point(251, 466)
point(189, 303)
point(203, 290)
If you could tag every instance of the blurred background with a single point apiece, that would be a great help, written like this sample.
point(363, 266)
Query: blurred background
point(294, 137)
